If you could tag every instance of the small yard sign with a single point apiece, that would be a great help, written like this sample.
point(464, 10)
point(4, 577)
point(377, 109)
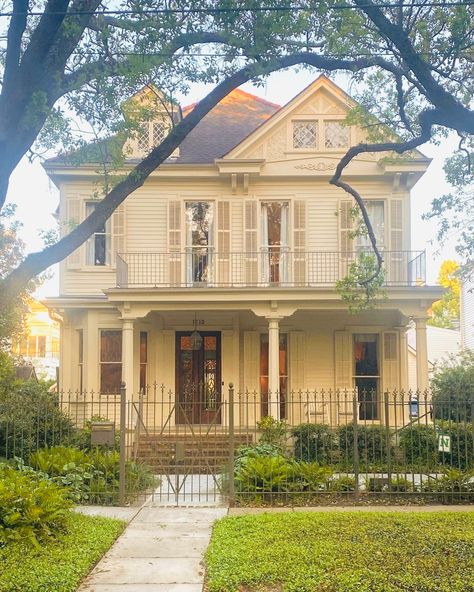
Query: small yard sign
point(444, 443)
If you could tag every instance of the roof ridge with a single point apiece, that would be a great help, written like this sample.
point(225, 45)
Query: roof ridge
point(243, 92)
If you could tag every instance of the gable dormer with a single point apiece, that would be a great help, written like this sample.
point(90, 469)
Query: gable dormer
point(153, 115)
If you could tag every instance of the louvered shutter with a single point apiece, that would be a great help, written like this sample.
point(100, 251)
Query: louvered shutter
point(250, 243)
point(73, 218)
point(299, 242)
point(297, 357)
point(346, 242)
point(397, 271)
point(174, 242)
point(343, 369)
point(391, 360)
point(250, 387)
point(118, 233)
point(223, 242)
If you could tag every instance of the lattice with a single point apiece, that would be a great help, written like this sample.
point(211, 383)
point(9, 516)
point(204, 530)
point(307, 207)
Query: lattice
point(336, 135)
point(305, 134)
point(158, 133)
point(143, 140)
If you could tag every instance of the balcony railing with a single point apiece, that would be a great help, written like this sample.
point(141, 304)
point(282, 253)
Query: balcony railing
point(270, 267)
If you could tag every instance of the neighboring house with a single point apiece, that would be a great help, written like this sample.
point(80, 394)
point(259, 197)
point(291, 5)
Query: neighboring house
point(222, 267)
point(441, 343)
point(39, 346)
point(467, 314)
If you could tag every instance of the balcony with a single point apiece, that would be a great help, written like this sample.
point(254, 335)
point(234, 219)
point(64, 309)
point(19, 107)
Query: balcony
point(204, 267)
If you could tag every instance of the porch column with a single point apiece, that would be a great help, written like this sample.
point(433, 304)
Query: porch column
point(421, 354)
point(128, 367)
point(274, 367)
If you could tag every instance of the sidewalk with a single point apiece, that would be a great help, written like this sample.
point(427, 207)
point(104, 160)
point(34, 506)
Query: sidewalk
point(160, 550)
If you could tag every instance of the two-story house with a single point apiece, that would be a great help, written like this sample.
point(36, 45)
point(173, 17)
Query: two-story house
point(222, 267)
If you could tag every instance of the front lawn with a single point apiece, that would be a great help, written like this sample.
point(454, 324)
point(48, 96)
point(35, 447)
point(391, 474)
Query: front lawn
point(343, 552)
point(59, 564)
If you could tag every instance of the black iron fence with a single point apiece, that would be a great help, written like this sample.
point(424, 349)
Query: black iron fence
point(325, 446)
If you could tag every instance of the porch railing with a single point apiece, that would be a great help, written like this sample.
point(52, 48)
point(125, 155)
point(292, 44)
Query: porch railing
point(270, 267)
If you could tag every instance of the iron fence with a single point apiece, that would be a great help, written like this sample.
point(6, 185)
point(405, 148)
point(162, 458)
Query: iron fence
point(325, 446)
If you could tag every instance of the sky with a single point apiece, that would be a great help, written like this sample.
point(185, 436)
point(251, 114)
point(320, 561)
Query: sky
point(37, 197)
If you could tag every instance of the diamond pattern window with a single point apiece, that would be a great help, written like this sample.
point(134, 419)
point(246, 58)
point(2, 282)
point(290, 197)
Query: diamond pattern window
point(336, 135)
point(143, 140)
point(305, 134)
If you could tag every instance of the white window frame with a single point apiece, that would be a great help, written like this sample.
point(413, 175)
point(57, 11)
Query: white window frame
point(90, 255)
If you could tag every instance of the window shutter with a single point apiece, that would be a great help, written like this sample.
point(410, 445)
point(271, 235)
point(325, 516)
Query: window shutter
point(174, 241)
point(251, 361)
point(297, 357)
point(346, 242)
point(299, 242)
point(118, 233)
point(397, 267)
point(250, 242)
point(223, 242)
point(343, 367)
point(391, 361)
point(73, 218)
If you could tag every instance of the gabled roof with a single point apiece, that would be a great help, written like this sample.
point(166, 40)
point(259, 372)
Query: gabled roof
point(225, 126)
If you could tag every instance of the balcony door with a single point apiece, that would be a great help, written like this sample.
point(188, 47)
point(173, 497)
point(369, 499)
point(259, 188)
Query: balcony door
point(198, 378)
point(275, 252)
point(199, 242)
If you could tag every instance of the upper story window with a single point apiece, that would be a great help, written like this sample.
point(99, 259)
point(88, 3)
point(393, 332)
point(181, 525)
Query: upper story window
point(98, 245)
point(305, 134)
point(33, 346)
point(151, 134)
point(336, 135)
point(376, 212)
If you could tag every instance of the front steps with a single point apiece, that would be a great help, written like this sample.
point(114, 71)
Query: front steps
point(187, 453)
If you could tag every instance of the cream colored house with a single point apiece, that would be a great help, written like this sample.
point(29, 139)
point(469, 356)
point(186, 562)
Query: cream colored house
point(222, 267)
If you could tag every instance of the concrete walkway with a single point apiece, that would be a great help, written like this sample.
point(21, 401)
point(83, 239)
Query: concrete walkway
point(160, 550)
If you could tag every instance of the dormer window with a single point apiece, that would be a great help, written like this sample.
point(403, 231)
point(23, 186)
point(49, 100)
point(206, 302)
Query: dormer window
point(305, 134)
point(336, 135)
point(150, 135)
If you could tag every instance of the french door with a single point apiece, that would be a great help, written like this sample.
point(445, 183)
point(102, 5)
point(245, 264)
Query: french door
point(198, 378)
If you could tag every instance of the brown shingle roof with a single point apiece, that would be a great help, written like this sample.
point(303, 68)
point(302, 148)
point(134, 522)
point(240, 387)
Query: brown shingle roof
point(225, 126)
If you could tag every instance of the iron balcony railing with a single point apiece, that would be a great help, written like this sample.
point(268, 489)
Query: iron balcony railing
point(269, 267)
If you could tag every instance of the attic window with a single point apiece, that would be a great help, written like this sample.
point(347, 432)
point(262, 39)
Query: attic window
point(305, 134)
point(336, 135)
point(151, 134)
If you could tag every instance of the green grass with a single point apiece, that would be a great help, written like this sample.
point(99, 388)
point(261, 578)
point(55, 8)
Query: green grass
point(343, 552)
point(59, 565)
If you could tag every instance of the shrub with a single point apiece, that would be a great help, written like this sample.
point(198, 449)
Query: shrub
point(91, 476)
point(31, 418)
point(31, 507)
point(314, 442)
point(309, 476)
point(461, 455)
point(419, 444)
point(371, 444)
point(273, 431)
point(453, 388)
point(243, 453)
point(342, 484)
point(453, 485)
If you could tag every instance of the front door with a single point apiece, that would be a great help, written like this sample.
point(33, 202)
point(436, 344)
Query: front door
point(198, 378)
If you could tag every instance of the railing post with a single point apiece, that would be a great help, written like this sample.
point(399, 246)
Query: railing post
point(231, 447)
point(123, 427)
point(355, 416)
point(387, 439)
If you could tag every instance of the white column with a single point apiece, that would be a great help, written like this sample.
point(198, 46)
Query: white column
point(274, 367)
point(421, 354)
point(128, 368)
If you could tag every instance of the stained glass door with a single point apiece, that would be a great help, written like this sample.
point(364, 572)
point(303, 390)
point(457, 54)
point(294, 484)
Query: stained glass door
point(198, 378)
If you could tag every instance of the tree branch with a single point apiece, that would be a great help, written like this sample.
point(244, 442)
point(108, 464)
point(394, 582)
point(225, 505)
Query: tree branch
point(16, 29)
point(426, 119)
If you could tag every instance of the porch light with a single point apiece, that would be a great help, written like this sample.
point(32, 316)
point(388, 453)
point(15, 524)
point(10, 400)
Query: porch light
point(196, 337)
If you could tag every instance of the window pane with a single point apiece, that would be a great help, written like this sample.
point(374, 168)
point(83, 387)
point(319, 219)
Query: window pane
point(143, 347)
point(32, 345)
point(336, 135)
point(305, 134)
point(365, 354)
point(110, 378)
point(111, 346)
point(376, 212)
